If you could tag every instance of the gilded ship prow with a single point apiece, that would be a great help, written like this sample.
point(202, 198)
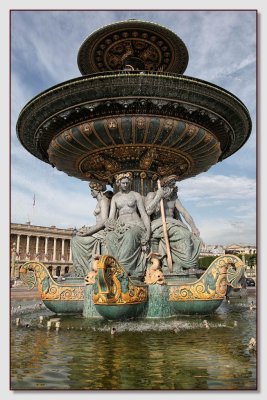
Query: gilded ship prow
point(117, 296)
point(225, 270)
point(63, 297)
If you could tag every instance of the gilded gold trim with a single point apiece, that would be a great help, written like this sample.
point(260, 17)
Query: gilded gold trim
point(114, 287)
point(225, 270)
point(32, 273)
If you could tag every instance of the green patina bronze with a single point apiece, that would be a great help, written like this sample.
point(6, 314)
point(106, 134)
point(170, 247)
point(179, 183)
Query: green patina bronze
point(134, 122)
point(115, 296)
point(64, 297)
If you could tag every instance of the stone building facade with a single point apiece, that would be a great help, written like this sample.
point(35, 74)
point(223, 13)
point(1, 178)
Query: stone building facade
point(237, 249)
point(240, 249)
point(49, 245)
point(219, 250)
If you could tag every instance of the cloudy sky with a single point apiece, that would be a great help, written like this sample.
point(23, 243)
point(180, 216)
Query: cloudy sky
point(222, 50)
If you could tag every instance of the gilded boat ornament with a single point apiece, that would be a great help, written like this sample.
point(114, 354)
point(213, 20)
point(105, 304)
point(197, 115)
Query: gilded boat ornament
point(154, 274)
point(114, 286)
point(225, 270)
point(32, 273)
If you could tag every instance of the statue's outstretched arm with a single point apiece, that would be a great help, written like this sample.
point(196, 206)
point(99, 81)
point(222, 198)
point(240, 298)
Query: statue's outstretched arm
point(187, 217)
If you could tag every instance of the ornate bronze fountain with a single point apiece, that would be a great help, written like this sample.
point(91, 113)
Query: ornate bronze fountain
point(134, 111)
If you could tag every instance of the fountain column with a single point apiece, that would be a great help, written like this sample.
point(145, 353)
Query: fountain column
point(158, 303)
point(89, 310)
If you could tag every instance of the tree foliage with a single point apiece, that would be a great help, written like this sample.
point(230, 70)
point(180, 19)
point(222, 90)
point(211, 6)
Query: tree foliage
point(204, 262)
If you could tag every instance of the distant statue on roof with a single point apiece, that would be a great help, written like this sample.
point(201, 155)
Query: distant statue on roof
point(89, 241)
point(185, 244)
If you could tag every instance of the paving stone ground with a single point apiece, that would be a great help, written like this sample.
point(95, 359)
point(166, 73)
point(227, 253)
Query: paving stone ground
point(22, 293)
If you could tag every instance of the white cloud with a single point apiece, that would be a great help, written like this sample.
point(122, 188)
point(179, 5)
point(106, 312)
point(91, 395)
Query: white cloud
point(56, 203)
point(54, 208)
point(221, 49)
point(222, 231)
point(223, 207)
point(218, 188)
point(64, 207)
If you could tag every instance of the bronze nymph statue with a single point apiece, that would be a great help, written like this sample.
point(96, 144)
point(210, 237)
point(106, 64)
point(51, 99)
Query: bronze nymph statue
point(185, 245)
point(129, 226)
point(88, 241)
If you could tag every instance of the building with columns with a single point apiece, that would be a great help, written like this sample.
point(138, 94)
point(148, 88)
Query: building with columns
point(219, 250)
point(240, 249)
point(49, 245)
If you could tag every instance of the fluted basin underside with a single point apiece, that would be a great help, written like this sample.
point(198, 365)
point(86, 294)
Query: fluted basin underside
point(150, 123)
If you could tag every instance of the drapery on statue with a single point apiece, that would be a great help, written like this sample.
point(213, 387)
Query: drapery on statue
point(184, 244)
point(129, 233)
point(123, 229)
point(89, 241)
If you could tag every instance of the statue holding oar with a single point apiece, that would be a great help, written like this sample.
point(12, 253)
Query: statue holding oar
point(170, 236)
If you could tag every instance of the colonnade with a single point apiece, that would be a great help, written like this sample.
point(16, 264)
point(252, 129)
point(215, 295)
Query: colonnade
point(45, 256)
point(49, 245)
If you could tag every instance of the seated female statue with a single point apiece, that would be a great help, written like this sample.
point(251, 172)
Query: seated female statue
point(185, 245)
point(88, 241)
point(129, 227)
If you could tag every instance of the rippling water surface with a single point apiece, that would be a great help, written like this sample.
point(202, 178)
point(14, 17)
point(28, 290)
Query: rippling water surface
point(177, 353)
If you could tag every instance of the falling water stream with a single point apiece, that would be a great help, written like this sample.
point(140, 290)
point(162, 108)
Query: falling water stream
point(182, 353)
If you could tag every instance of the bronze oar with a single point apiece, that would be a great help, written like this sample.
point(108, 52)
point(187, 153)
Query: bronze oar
point(165, 233)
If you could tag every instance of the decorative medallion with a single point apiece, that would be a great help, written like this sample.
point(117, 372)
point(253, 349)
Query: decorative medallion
point(133, 45)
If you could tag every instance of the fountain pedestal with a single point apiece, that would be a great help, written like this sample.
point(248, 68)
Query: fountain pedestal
point(89, 310)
